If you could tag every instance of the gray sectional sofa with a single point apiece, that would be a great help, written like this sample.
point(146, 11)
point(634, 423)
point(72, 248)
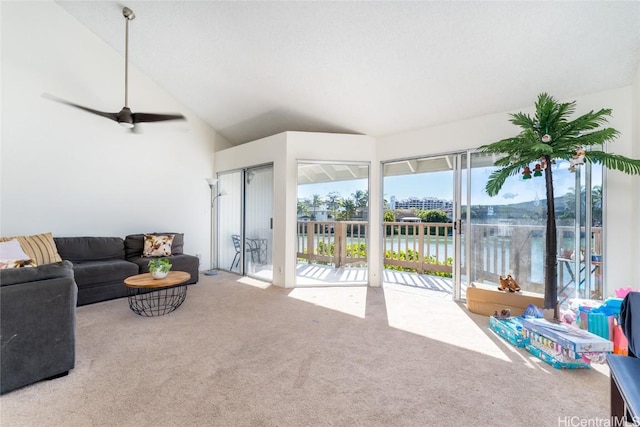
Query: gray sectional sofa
point(38, 304)
point(101, 264)
point(37, 324)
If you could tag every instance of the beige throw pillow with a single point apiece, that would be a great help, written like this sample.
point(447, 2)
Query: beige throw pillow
point(39, 247)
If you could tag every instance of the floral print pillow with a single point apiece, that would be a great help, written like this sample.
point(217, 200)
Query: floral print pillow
point(157, 245)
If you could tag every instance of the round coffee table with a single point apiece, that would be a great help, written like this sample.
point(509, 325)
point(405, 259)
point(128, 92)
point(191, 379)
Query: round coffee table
point(155, 297)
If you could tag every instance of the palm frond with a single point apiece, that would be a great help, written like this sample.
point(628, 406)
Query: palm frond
point(559, 114)
point(497, 178)
point(523, 120)
point(540, 149)
point(614, 161)
point(503, 146)
point(597, 137)
point(585, 123)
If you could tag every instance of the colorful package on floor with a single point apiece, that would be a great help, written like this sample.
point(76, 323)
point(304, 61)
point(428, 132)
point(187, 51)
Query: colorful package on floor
point(555, 361)
point(600, 324)
point(620, 343)
point(510, 329)
point(574, 339)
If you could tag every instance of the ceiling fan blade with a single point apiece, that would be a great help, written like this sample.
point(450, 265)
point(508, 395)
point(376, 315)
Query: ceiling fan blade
point(111, 116)
point(149, 117)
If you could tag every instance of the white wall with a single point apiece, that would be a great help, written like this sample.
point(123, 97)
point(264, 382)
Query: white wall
point(622, 194)
point(73, 173)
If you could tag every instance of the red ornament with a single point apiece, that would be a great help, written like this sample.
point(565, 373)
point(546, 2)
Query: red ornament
point(526, 173)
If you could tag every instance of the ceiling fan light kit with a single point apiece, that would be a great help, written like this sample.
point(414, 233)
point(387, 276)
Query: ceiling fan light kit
point(125, 117)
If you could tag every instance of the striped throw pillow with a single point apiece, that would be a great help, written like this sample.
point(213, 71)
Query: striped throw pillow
point(40, 247)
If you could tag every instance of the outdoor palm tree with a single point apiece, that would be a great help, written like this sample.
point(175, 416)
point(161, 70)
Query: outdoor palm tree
point(333, 199)
point(349, 208)
point(303, 209)
point(315, 204)
point(548, 136)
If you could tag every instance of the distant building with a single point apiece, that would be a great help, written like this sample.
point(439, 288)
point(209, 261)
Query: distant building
point(426, 203)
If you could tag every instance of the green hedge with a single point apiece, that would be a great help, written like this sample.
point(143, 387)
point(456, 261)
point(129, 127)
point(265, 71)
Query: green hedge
point(360, 250)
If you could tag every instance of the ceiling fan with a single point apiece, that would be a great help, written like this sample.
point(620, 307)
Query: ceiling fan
point(125, 117)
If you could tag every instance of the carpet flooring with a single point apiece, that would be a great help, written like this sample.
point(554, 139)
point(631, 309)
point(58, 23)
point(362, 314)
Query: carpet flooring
point(241, 353)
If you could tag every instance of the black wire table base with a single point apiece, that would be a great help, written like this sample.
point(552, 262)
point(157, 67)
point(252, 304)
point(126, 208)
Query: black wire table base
point(156, 302)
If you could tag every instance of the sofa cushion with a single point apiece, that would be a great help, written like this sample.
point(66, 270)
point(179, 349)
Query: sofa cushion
point(40, 247)
point(157, 246)
point(77, 249)
point(105, 271)
point(48, 271)
point(134, 244)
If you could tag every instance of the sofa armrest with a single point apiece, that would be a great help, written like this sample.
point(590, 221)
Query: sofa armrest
point(37, 328)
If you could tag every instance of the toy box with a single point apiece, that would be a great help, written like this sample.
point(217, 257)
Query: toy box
point(557, 361)
point(560, 353)
point(571, 338)
point(510, 329)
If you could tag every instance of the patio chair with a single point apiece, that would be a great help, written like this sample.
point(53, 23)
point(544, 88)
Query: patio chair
point(250, 247)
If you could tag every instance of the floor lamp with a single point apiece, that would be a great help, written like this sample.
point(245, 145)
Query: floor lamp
point(212, 184)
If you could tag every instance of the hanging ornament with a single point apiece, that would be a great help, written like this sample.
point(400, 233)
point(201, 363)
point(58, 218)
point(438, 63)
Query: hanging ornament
point(543, 163)
point(515, 158)
point(526, 173)
point(537, 170)
point(536, 201)
point(578, 158)
point(546, 138)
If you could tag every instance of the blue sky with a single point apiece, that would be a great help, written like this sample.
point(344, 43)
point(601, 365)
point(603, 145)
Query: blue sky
point(440, 185)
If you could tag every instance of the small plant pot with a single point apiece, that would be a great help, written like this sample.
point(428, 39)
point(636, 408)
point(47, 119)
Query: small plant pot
point(159, 274)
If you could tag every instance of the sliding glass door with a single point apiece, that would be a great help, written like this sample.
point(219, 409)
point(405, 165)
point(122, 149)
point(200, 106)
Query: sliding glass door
point(229, 230)
point(441, 230)
point(418, 228)
point(245, 221)
point(505, 234)
point(258, 216)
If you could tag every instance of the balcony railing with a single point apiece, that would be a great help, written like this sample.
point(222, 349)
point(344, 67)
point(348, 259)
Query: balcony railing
point(495, 249)
point(420, 247)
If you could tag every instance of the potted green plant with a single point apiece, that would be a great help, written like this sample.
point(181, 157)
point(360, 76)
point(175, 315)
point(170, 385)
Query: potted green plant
point(159, 267)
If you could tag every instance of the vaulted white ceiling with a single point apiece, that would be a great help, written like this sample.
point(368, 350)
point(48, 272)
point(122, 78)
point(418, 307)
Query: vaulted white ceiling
point(253, 69)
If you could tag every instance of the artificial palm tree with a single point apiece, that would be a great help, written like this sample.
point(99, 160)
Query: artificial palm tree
point(548, 136)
